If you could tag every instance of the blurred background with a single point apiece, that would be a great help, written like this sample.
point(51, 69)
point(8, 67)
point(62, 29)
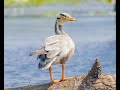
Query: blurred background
point(28, 22)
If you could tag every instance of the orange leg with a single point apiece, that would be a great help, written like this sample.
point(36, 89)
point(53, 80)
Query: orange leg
point(63, 73)
point(53, 81)
point(50, 71)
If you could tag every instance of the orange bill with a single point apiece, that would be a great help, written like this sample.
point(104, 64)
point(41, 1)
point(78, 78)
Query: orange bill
point(72, 19)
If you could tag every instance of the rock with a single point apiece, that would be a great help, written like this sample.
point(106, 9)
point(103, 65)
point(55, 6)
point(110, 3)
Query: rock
point(94, 80)
point(95, 71)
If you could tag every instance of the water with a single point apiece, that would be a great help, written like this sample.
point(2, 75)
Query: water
point(94, 37)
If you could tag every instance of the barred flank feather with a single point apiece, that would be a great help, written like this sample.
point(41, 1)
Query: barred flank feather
point(44, 62)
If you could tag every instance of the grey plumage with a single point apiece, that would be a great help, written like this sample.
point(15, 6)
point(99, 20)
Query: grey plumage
point(56, 49)
point(38, 52)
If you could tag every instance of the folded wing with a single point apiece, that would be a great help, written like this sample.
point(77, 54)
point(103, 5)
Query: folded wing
point(51, 47)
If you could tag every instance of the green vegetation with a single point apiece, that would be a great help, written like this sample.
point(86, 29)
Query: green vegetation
point(39, 2)
point(109, 1)
point(36, 2)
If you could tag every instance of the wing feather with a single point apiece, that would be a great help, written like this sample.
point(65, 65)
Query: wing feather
point(52, 53)
point(38, 52)
point(52, 46)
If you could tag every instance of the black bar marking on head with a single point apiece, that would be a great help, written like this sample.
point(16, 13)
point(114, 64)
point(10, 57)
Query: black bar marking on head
point(62, 14)
point(58, 18)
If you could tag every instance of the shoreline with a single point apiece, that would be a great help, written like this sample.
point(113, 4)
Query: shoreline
point(94, 80)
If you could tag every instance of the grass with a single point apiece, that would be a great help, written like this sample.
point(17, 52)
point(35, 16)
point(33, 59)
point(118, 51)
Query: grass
point(36, 2)
point(40, 2)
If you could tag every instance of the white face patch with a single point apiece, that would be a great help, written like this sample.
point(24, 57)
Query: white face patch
point(66, 14)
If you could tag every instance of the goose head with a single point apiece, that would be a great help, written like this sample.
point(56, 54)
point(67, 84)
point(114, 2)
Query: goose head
point(63, 18)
